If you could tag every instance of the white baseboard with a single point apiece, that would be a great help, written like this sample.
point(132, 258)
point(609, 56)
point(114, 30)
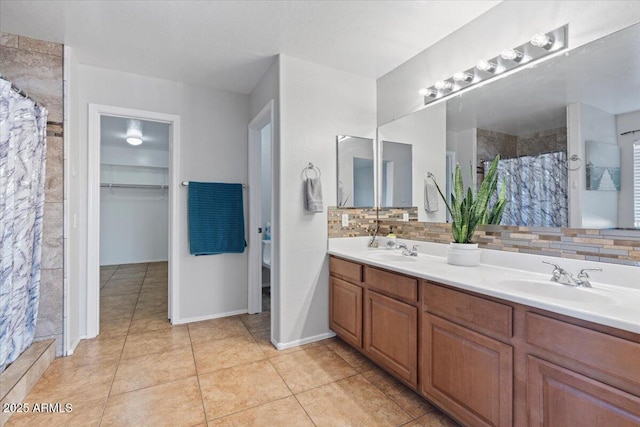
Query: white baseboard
point(73, 346)
point(213, 316)
point(303, 341)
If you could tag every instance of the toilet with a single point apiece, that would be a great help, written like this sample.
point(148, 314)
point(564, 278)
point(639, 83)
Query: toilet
point(266, 253)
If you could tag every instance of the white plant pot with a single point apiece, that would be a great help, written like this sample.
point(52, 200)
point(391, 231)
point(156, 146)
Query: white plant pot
point(464, 254)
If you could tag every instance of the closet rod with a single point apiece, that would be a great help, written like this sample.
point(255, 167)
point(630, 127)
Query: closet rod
point(157, 186)
point(186, 184)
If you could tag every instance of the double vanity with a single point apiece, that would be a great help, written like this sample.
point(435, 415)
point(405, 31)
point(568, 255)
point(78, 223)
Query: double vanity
point(490, 345)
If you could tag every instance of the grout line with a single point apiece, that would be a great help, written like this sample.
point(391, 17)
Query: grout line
point(193, 354)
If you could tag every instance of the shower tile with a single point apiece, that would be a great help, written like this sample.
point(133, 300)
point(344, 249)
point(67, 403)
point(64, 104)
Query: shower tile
point(352, 401)
point(156, 342)
point(50, 308)
point(40, 46)
point(225, 353)
point(306, 369)
point(235, 389)
point(8, 40)
point(216, 329)
point(54, 183)
point(176, 404)
point(153, 369)
point(52, 249)
point(283, 412)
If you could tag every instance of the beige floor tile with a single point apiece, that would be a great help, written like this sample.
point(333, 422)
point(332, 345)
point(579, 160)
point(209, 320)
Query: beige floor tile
point(284, 412)
point(120, 288)
point(231, 390)
point(125, 279)
point(406, 398)
point(217, 329)
point(112, 328)
point(150, 302)
point(154, 286)
point(153, 369)
point(257, 322)
point(436, 419)
point(172, 404)
point(156, 342)
point(116, 313)
point(64, 382)
point(101, 350)
point(83, 413)
point(225, 353)
point(147, 322)
point(263, 338)
point(353, 401)
point(352, 356)
point(114, 301)
point(156, 274)
point(306, 369)
point(128, 275)
point(133, 267)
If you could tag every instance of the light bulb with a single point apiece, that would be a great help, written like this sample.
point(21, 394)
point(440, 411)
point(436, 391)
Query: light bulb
point(443, 85)
point(542, 40)
point(484, 65)
point(428, 92)
point(462, 77)
point(512, 55)
point(134, 141)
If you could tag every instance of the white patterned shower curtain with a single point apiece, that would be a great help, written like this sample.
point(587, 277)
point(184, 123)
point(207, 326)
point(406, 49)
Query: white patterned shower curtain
point(22, 174)
point(536, 190)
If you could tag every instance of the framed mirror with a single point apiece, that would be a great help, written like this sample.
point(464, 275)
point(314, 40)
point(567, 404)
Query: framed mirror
point(356, 182)
point(539, 120)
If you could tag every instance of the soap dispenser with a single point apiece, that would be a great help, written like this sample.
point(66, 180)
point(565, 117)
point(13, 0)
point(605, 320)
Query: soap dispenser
point(391, 239)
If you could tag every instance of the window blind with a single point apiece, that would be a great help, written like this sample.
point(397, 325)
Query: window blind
point(636, 183)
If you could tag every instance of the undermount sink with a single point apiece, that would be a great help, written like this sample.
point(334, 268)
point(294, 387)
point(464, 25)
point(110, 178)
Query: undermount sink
point(556, 291)
point(391, 256)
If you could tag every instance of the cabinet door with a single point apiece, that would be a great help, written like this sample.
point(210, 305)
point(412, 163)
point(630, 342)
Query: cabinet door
point(391, 335)
point(345, 310)
point(558, 397)
point(468, 374)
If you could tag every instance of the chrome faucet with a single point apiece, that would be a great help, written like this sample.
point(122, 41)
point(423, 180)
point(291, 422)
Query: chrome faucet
point(562, 276)
point(406, 251)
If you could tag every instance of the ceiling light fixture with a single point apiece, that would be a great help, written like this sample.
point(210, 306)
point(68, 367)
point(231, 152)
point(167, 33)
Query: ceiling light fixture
point(542, 40)
point(462, 77)
point(134, 132)
point(488, 66)
point(443, 85)
point(427, 91)
point(512, 55)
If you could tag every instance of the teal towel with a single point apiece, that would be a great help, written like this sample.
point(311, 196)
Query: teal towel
point(216, 218)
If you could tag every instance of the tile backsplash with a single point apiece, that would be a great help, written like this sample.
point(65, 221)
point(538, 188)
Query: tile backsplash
point(607, 245)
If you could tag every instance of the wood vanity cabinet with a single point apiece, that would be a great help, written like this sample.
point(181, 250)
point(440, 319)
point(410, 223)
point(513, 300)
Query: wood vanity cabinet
point(345, 300)
point(465, 372)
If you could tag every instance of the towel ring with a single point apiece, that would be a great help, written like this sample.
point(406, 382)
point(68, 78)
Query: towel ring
point(575, 158)
point(312, 167)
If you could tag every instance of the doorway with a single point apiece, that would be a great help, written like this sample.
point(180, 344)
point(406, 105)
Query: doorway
point(262, 256)
point(132, 212)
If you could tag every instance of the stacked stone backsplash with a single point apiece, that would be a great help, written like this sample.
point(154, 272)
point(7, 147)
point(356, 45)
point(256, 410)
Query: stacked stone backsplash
point(611, 246)
point(362, 220)
point(35, 66)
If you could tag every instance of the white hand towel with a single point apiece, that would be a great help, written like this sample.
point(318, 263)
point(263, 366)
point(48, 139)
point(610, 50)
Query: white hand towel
point(430, 196)
point(313, 195)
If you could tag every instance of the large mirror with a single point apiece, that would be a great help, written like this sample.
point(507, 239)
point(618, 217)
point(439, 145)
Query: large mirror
point(541, 120)
point(356, 183)
point(395, 174)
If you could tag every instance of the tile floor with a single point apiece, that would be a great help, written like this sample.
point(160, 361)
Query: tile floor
point(143, 371)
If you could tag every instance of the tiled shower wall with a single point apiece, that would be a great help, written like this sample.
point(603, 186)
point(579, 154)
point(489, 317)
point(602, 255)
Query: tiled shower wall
point(35, 66)
point(611, 246)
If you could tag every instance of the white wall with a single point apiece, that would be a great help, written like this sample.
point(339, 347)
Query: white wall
point(508, 24)
point(317, 103)
point(625, 123)
point(589, 208)
point(213, 148)
point(266, 174)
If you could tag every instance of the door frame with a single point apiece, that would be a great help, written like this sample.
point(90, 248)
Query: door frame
point(254, 286)
point(93, 207)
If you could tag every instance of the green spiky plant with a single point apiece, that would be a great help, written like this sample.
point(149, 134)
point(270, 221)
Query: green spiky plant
point(470, 211)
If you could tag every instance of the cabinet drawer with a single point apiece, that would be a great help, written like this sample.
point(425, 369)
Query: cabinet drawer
point(391, 283)
point(606, 353)
point(345, 269)
point(477, 313)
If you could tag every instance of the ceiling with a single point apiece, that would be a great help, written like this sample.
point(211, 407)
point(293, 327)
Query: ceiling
point(113, 133)
point(604, 74)
point(230, 44)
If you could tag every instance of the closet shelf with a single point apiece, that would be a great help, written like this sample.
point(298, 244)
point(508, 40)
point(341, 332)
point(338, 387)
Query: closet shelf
point(150, 186)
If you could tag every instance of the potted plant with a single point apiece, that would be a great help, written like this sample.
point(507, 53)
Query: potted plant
point(470, 210)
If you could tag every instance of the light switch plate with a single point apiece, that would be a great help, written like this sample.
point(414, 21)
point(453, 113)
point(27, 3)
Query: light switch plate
point(345, 220)
point(405, 216)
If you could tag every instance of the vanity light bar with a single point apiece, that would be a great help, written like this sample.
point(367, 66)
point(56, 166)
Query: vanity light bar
point(540, 45)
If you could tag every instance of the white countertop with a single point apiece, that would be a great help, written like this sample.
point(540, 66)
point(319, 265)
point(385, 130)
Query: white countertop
point(613, 300)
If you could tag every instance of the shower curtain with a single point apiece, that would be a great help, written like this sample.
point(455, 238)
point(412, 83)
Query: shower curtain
point(536, 189)
point(22, 174)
